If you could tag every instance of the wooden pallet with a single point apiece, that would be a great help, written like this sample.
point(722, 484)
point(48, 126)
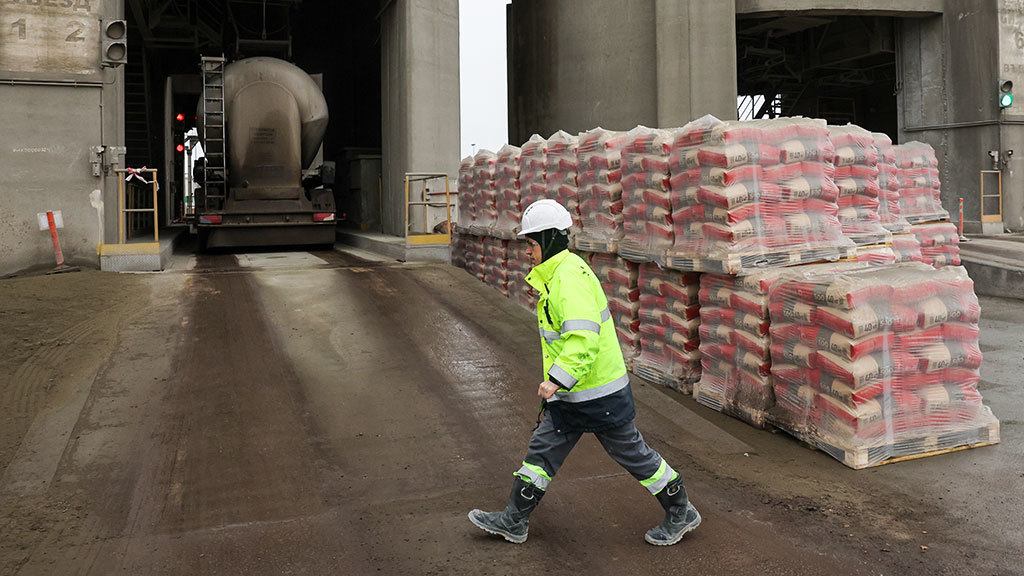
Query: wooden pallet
point(655, 375)
point(598, 246)
point(871, 240)
point(756, 418)
point(737, 264)
point(860, 457)
point(928, 218)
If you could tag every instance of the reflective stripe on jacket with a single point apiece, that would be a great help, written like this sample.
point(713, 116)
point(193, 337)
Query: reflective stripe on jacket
point(581, 350)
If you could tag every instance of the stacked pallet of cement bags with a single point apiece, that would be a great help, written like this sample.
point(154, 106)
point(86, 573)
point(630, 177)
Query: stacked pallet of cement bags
point(485, 208)
point(647, 209)
point(619, 281)
point(560, 173)
point(876, 364)
point(750, 195)
point(532, 170)
point(599, 158)
point(917, 171)
point(669, 317)
point(507, 193)
point(857, 175)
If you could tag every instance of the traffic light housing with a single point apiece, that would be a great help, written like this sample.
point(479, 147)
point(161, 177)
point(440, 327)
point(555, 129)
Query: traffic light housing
point(1005, 94)
point(115, 42)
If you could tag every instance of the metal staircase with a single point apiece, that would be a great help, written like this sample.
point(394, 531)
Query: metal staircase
point(136, 103)
point(215, 170)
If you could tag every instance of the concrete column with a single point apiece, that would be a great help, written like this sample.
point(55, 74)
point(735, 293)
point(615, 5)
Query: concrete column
point(577, 64)
point(696, 60)
point(947, 96)
point(420, 96)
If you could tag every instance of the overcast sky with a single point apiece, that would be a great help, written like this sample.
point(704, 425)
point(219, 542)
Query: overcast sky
point(482, 75)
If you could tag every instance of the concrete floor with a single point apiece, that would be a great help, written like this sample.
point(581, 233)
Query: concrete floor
point(315, 413)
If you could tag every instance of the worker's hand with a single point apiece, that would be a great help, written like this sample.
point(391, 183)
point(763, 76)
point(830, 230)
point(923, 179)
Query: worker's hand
point(547, 389)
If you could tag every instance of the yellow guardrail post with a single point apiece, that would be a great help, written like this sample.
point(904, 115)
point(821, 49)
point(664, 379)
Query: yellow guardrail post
point(122, 246)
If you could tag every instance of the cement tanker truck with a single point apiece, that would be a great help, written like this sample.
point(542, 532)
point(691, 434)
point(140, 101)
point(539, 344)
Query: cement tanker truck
point(261, 122)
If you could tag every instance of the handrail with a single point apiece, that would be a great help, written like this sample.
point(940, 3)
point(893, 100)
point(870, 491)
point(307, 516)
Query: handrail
point(428, 238)
point(999, 194)
point(136, 173)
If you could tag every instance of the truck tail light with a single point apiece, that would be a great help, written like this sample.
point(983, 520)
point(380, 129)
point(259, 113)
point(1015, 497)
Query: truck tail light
point(323, 217)
point(211, 219)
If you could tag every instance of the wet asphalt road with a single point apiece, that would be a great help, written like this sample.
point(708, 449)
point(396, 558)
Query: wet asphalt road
point(313, 413)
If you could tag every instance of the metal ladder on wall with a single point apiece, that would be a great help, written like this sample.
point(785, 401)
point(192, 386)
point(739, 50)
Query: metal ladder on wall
point(215, 171)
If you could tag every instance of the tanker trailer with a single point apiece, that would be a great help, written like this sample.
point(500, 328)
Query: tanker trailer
point(261, 121)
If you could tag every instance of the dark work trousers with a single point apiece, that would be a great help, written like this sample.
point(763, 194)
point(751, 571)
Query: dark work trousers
point(549, 448)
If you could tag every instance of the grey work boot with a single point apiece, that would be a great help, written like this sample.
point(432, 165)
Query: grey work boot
point(513, 522)
point(680, 516)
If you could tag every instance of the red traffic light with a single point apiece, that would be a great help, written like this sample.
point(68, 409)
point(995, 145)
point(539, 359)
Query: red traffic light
point(180, 118)
point(180, 148)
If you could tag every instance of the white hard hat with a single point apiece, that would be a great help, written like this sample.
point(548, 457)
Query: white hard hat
point(543, 215)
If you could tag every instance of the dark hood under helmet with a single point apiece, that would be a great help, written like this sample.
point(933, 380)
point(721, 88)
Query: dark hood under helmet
point(552, 241)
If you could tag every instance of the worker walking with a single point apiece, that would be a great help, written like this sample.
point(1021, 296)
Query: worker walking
point(586, 388)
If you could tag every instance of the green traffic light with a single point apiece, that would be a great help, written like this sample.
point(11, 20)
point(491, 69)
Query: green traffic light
point(1005, 100)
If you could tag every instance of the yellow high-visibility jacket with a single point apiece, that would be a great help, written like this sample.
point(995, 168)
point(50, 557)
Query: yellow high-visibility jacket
point(580, 347)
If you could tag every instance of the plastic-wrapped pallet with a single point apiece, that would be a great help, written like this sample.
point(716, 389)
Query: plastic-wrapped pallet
point(466, 194)
point(560, 173)
point(917, 170)
point(496, 263)
point(889, 187)
point(507, 194)
point(647, 209)
point(485, 210)
point(669, 327)
point(532, 170)
point(907, 248)
point(619, 279)
point(754, 194)
point(599, 156)
point(877, 364)
point(940, 243)
point(519, 267)
point(735, 341)
point(856, 176)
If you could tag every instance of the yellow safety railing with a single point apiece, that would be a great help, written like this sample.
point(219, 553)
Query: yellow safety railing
point(427, 237)
point(988, 216)
point(126, 207)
